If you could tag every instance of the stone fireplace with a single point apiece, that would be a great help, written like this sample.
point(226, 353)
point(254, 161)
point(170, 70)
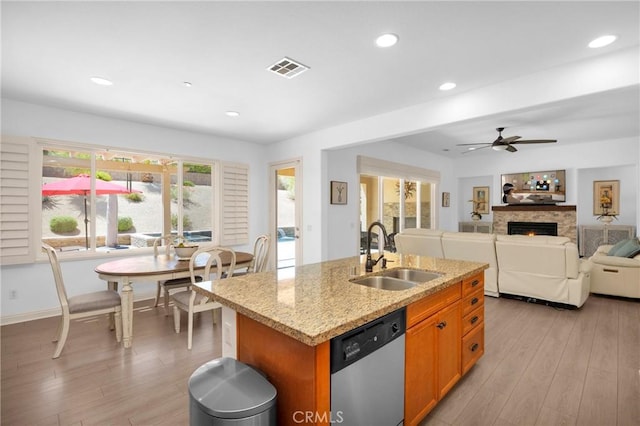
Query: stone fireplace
point(532, 228)
point(564, 216)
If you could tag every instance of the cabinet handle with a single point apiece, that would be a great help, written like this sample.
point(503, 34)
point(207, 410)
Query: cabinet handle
point(474, 319)
point(474, 347)
point(610, 270)
point(475, 283)
point(474, 300)
point(442, 325)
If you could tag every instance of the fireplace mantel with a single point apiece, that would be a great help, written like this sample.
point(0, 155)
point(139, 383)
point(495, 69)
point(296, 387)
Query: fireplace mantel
point(564, 216)
point(533, 208)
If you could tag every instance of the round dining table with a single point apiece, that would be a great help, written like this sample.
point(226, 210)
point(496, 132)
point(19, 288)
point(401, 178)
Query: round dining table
point(129, 270)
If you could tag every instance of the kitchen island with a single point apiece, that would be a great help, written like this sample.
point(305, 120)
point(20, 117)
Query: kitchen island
point(282, 323)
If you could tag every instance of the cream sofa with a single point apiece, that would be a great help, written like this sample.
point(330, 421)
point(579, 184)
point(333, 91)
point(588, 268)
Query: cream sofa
point(453, 245)
point(613, 275)
point(542, 268)
point(423, 242)
point(475, 247)
point(539, 268)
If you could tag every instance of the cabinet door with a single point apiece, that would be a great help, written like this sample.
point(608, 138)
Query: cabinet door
point(449, 335)
point(420, 387)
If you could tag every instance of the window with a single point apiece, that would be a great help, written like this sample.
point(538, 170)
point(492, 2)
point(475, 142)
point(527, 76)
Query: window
point(397, 195)
point(138, 198)
point(148, 195)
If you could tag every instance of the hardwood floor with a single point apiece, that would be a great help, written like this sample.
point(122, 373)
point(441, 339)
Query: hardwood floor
point(546, 366)
point(96, 381)
point(542, 366)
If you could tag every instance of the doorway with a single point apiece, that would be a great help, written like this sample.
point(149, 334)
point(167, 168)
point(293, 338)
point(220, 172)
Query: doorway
point(285, 213)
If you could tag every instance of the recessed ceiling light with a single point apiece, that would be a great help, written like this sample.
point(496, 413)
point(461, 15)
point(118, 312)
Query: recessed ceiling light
point(447, 86)
point(232, 114)
point(602, 41)
point(186, 84)
point(386, 40)
point(102, 81)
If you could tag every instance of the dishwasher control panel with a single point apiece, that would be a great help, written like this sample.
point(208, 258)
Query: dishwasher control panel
point(360, 342)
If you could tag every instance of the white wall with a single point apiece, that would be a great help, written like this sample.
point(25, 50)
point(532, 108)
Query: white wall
point(33, 283)
point(342, 221)
point(584, 163)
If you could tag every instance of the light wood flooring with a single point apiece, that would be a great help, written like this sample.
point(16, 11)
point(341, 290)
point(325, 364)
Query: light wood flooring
point(547, 366)
point(542, 366)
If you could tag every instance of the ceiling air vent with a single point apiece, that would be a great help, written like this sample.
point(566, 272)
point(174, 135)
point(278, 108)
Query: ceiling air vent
point(288, 68)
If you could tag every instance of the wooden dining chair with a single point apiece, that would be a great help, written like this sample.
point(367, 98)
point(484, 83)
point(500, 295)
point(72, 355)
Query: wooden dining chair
point(260, 261)
point(166, 286)
point(81, 306)
point(192, 302)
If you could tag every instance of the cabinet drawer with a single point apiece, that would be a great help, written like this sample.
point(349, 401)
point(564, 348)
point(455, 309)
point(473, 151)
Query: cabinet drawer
point(428, 306)
point(472, 320)
point(472, 347)
point(471, 284)
point(473, 301)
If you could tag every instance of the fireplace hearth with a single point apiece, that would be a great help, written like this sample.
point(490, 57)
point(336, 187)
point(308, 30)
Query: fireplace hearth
point(532, 228)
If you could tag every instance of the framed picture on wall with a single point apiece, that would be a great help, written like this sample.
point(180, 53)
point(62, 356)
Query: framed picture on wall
point(606, 197)
point(446, 199)
point(338, 192)
point(481, 199)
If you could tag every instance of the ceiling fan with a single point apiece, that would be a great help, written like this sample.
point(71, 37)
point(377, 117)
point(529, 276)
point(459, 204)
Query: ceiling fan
point(505, 144)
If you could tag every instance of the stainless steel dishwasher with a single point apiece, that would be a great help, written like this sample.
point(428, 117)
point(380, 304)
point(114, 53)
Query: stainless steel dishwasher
point(367, 373)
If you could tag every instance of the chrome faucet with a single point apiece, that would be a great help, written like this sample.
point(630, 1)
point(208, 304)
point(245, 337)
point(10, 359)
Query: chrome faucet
point(370, 262)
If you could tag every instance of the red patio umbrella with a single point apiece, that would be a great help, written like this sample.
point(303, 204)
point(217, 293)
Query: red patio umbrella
point(81, 185)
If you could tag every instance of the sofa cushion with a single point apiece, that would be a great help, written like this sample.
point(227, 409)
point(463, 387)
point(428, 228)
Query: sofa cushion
point(536, 239)
point(625, 248)
point(423, 231)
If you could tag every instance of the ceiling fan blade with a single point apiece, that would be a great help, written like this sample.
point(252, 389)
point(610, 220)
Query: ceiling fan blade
point(470, 144)
point(475, 149)
point(537, 141)
point(511, 148)
point(510, 139)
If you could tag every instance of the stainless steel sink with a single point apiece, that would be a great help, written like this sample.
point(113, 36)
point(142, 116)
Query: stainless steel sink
point(385, 283)
point(412, 275)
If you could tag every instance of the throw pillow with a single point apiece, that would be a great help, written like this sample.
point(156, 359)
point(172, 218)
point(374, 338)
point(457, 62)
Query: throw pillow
point(625, 248)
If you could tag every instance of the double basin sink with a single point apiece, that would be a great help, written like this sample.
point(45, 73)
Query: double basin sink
point(397, 279)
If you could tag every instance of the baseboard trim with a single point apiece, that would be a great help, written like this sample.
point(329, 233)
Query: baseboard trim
point(46, 313)
point(528, 299)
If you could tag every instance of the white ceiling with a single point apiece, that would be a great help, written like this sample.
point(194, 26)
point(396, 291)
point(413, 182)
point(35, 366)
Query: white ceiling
point(148, 49)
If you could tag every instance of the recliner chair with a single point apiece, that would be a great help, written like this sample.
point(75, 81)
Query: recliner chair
point(613, 275)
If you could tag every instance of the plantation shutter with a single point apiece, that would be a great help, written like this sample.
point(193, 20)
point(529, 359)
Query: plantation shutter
point(234, 215)
point(14, 203)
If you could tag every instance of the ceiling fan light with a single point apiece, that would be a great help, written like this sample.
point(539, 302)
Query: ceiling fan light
point(500, 147)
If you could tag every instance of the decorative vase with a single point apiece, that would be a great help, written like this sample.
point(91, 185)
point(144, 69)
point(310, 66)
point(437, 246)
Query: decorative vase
point(606, 219)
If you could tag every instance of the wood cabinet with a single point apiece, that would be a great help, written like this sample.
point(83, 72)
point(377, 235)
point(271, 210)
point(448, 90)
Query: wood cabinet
point(432, 351)
point(445, 338)
point(472, 321)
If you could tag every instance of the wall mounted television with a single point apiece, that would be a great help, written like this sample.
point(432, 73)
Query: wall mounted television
point(544, 187)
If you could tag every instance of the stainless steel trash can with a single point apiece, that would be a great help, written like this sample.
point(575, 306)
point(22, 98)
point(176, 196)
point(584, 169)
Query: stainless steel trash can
point(227, 392)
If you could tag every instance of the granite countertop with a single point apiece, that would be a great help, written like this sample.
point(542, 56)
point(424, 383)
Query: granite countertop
point(314, 303)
